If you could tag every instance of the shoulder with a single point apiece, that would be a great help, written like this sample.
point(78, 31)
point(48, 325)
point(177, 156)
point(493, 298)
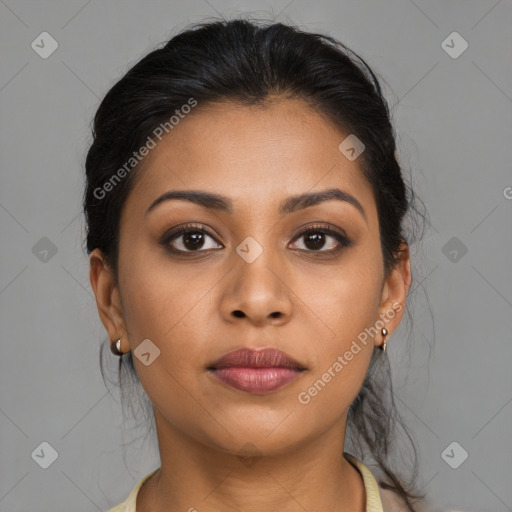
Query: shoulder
point(381, 499)
point(128, 505)
point(119, 508)
point(391, 502)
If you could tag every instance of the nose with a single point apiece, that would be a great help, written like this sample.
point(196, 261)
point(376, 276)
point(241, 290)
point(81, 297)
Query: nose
point(257, 293)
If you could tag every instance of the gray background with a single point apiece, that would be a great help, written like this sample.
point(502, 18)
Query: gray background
point(453, 120)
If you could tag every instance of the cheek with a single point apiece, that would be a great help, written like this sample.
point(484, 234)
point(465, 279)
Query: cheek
point(162, 305)
point(334, 387)
point(350, 301)
point(159, 297)
point(343, 355)
point(171, 308)
point(348, 306)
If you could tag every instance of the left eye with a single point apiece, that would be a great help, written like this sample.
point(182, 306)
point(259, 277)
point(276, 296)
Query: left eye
point(315, 239)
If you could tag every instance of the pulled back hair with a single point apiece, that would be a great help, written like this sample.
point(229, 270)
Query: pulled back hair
point(250, 63)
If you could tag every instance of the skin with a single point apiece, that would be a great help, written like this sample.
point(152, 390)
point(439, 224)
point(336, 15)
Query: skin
point(310, 305)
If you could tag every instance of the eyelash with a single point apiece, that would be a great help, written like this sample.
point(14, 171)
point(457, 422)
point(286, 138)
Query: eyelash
point(318, 228)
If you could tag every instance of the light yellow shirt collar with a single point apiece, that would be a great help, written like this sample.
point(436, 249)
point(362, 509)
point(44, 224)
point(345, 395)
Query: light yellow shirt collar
point(373, 501)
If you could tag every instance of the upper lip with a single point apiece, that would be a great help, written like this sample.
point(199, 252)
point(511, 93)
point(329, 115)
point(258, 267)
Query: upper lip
point(257, 358)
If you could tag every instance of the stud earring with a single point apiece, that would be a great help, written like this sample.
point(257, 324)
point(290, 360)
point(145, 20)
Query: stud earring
point(116, 347)
point(384, 333)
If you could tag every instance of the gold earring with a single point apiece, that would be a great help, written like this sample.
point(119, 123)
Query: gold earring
point(384, 333)
point(116, 347)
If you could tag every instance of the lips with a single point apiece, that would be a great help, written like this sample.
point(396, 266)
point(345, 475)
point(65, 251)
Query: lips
point(262, 358)
point(256, 371)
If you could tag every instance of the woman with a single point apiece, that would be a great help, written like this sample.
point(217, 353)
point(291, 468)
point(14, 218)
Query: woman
point(248, 255)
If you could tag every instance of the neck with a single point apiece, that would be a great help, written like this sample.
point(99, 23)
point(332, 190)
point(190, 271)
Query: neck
point(196, 476)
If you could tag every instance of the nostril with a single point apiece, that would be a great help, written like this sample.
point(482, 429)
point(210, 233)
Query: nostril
point(238, 313)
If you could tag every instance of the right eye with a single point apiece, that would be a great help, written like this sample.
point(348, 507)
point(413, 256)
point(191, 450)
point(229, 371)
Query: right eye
point(189, 238)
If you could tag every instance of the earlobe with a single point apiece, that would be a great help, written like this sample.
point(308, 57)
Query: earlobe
point(107, 296)
point(394, 292)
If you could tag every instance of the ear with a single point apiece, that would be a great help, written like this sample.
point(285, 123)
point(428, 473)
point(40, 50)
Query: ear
point(394, 293)
point(108, 299)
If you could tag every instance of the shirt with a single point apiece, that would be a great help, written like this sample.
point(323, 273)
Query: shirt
point(377, 499)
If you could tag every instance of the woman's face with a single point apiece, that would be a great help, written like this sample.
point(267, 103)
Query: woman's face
point(246, 275)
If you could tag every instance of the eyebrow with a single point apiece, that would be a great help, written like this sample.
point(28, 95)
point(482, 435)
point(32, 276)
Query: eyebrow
point(289, 205)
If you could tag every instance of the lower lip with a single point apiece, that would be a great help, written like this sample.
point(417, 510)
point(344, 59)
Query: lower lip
point(256, 380)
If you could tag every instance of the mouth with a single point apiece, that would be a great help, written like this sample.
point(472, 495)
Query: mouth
point(256, 371)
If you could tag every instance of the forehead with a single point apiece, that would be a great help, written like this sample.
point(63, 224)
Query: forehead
point(256, 155)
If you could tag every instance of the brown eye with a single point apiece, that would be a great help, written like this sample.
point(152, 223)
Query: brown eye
point(322, 239)
point(193, 240)
point(190, 238)
point(314, 240)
